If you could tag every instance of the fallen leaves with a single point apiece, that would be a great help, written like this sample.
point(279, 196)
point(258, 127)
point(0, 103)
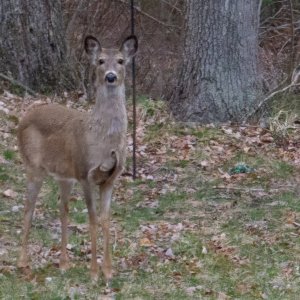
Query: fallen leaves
point(191, 290)
point(10, 193)
point(292, 220)
point(266, 138)
point(145, 242)
point(169, 253)
point(17, 208)
point(221, 245)
point(255, 227)
point(195, 162)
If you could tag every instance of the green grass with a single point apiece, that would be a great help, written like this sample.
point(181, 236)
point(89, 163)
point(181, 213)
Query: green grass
point(41, 234)
point(283, 102)
point(230, 236)
point(282, 169)
point(155, 132)
point(291, 199)
point(9, 154)
point(78, 212)
point(150, 108)
point(4, 174)
point(206, 134)
point(138, 215)
point(50, 202)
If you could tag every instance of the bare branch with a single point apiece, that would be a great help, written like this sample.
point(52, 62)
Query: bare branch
point(149, 16)
point(292, 61)
point(295, 77)
point(13, 81)
point(174, 7)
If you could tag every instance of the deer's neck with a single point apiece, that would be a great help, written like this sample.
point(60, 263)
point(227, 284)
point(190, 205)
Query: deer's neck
point(109, 113)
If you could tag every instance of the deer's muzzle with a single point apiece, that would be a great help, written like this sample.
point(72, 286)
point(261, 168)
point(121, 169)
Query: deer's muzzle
point(111, 77)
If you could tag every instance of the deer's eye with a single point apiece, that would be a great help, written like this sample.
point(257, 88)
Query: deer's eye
point(121, 61)
point(101, 61)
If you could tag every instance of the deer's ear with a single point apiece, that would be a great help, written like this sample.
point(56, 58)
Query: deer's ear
point(129, 47)
point(92, 47)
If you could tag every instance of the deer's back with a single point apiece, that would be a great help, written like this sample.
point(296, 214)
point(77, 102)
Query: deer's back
point(49, 139)
point(49, 118)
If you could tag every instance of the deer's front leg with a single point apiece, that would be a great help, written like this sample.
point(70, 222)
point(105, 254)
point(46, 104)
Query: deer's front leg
point(91, 206)
point(33, 188)
point(65, 190)
point(105, 201)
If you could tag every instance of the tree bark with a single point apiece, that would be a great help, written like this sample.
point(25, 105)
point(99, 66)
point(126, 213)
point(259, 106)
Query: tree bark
point(32, 43)
point(218, 80)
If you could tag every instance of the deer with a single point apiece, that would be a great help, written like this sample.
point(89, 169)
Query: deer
point(84, 147)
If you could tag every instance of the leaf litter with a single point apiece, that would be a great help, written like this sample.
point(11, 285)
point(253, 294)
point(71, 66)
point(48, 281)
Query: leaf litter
point(172, 158)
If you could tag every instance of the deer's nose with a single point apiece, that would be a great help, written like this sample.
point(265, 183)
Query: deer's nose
point(111, 77)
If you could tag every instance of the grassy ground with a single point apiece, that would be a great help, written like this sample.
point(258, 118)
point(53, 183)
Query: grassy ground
point(186, 229)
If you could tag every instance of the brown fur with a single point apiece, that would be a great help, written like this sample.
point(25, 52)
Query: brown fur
point(87, 147)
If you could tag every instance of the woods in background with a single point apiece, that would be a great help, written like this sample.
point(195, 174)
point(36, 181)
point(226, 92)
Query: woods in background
point(33, 45)
point(41, 42)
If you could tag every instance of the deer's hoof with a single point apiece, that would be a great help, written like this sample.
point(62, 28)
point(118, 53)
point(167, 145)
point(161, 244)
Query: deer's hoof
point(108, 284)
point(23, 263)
point(94, 272)
point(107, 274)
point(94, 276)
point(64, 265)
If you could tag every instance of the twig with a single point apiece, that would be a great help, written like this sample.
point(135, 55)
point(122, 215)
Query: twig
point(149, 16)
point(296, 224)
point(70, 24)
point(4, 131)
point(13, 81)
point(295, 77)
point(235, 188)
point(272, 17)
point(116, 238)
point(172, 6)
point(292, 62)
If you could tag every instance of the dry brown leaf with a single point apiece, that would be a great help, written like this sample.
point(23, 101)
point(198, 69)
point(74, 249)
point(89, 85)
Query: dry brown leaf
point(267, 138)
point(10, 194)
point(204, 163)
point(145, 242)
point(222, 296)
point(291, 217)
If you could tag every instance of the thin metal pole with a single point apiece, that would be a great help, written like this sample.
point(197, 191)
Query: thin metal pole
point(133, 100)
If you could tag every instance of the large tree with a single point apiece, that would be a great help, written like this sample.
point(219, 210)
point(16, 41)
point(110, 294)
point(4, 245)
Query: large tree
point(218, 78)
point(32, 43)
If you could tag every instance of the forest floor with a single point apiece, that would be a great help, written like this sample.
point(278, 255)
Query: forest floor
point(214, 214)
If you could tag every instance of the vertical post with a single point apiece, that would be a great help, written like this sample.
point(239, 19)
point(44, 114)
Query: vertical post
point(133, 100)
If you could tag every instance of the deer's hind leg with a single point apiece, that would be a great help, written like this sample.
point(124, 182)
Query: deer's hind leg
point(91, 206)
point(34, 184)
point(65, 190)
point(105, 202)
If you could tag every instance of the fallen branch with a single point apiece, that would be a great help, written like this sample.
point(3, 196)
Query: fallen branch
point(242, 189)
point(4, 131)
point(296, 224)
point(13, 81)
point(295, 78)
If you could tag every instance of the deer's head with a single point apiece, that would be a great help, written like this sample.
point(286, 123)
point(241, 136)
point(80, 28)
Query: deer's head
point(110, 63)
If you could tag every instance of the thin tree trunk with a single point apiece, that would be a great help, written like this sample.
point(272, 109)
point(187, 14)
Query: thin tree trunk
point(218, 80)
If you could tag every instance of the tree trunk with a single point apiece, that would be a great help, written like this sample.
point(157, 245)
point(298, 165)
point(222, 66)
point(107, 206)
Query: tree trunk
point(218, 79)
point(32, 44)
